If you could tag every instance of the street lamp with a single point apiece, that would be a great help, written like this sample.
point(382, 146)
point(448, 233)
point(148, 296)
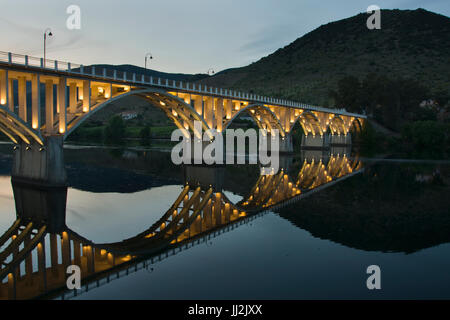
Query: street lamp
point(48, 32)
point(148, 56)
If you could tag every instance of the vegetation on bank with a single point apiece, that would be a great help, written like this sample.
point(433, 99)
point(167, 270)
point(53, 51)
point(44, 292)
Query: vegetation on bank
point(117, 131)
point(416, 119)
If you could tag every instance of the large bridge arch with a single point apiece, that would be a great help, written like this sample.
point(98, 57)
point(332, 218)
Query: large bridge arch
point(309, 123)
point(16, 129)
point(262, 115)
point(182, 114)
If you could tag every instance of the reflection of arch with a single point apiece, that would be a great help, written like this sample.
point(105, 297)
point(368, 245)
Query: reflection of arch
point(196, 213)
point(262, 115)
point(182, 114)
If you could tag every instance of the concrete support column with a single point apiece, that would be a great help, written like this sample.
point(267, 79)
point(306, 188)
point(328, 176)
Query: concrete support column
point(40, 165)
point(28, 259)
point(208, 111)
point(219, 114)
point(217, 209)
point(286, 144)
point(10, 95)
point(72, 97)
point(284, 118)
point(227, 212)
point(11, 286)
point(53, 251)
point(205, 176)
point(228, 108)
point(49, 109)
point(77, 253)
point(42, 270)
point(23, 98)
point(111, 259)
point(89, 254)
point(341, 139)
point(108, 91)
point(35, 102)
point(86, 95)
point(207, 214)
point(65, 248)
point(198, 104)
point(62, 104)
point(4, 87)
point(40, 203)
point(313, 142)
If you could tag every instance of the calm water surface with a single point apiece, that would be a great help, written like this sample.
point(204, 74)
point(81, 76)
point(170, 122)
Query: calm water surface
point(394, 214)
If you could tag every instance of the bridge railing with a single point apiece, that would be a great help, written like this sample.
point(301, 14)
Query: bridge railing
point(114, 74)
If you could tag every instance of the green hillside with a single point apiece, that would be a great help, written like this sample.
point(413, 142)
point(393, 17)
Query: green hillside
point(411, 44)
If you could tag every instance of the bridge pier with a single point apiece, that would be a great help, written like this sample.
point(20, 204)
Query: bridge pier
point(340, 139)
point(41, 205)
point(315, 142)
point(205, 176)
point(286, 144)
point(40, 165)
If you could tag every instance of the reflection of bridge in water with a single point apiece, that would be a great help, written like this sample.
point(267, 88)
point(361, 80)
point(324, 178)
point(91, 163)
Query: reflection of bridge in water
point(38, 247)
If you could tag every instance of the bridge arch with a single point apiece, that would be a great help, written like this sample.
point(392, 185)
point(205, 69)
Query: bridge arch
point(262, 115)
point(182, 114)
point(16, 129)
point(309, 123)
point(337, 126)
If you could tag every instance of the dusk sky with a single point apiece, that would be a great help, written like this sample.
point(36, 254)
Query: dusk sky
point(183, 36)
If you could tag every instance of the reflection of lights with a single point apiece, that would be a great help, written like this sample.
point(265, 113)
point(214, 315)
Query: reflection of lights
point(162, 103)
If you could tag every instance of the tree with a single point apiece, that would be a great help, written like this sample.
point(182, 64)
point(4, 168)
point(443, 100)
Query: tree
point(348, 94)
point(145, 134)
point(115, 129)
point(427, 137)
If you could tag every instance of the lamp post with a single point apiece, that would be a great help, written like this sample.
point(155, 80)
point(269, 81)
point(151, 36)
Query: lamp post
point(48, 32)
point(148, 56)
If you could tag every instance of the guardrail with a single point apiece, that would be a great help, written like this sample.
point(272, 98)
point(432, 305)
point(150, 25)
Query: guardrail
point(141, 79)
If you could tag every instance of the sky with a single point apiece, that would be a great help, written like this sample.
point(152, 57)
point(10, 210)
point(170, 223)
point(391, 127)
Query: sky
point(183, 36)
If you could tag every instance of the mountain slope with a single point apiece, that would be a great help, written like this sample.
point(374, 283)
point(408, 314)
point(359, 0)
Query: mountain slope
point(411, 44)
point(130, 69)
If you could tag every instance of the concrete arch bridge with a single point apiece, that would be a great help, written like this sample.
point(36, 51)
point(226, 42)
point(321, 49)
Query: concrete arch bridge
point(43, 102)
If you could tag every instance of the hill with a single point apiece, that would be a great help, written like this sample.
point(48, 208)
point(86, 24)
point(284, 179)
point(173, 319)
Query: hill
point(130, 69)
point(413, 44)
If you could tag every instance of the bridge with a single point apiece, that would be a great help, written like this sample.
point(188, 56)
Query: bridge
point(201, 211)
point(71, 93)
